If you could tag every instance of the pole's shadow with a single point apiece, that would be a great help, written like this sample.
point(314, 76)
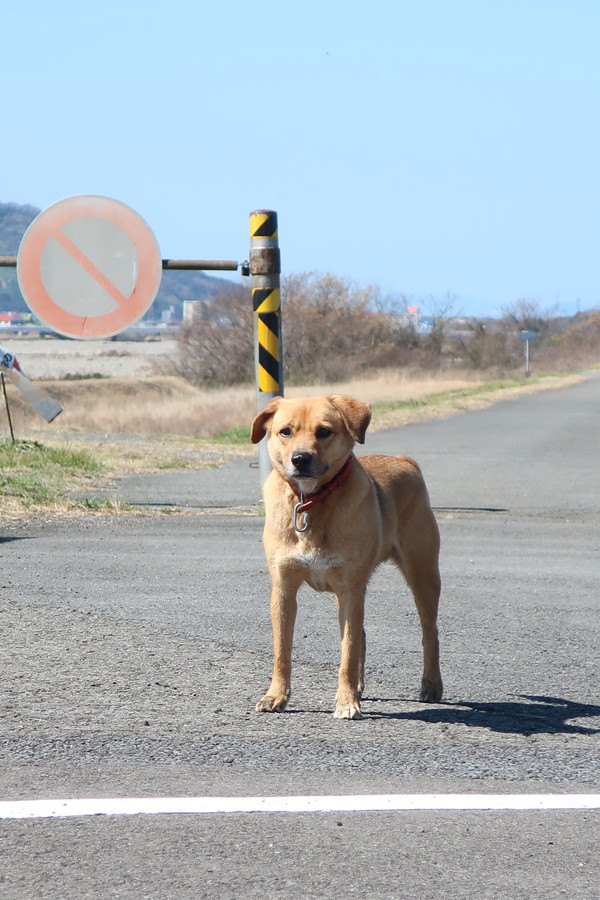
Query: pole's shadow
point(537, 715)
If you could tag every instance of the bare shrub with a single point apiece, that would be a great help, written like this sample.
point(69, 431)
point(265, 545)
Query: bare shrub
point(578, 344)
point(495, 344)
point(333, 329)
point(433, 343)
point(216, 347)
point(561, 342)
point(485, 345)
point(527, 315)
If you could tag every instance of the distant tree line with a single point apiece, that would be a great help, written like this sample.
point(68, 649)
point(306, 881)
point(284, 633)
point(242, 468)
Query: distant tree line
point(333, 330)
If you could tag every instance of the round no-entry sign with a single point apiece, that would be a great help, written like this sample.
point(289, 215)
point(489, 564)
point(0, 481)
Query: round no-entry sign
point(89, 267)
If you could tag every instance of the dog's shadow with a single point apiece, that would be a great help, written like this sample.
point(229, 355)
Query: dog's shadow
point(538, 715)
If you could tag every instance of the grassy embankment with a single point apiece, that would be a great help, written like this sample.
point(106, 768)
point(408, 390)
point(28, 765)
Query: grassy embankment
point(112, 427)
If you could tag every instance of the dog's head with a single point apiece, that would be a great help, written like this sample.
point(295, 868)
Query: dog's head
point(310, 439)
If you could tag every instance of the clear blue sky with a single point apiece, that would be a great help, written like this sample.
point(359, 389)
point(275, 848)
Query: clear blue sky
point(427, 146)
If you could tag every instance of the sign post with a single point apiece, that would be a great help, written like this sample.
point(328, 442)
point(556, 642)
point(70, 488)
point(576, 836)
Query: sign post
point(265, 268)
point(527, 336)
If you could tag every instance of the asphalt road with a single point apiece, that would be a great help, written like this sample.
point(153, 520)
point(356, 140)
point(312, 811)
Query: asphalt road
point(134, 648)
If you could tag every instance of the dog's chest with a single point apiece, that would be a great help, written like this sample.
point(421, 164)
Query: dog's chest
point(317, 564)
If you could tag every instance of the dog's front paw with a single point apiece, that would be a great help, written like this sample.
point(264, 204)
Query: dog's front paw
point(272, 703)
point(431, 691)
point(347, 711)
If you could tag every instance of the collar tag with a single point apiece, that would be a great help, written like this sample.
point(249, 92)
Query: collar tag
point(300, 517)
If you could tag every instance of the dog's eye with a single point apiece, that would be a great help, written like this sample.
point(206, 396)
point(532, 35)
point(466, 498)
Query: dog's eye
point(323, 431)
point(285, 432)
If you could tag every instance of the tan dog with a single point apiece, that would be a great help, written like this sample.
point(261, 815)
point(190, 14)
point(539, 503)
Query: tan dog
point(331, 519)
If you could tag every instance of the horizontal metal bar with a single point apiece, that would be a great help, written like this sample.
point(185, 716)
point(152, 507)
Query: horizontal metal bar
point(215, 265)
point(211, 265)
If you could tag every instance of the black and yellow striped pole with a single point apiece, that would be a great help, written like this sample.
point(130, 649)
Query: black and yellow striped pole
point(265, 268)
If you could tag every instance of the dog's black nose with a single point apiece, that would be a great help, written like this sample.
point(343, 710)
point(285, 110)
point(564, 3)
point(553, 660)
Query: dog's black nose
point(302, 460)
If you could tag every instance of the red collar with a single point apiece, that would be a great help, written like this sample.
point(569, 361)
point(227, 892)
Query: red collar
point(304, 505)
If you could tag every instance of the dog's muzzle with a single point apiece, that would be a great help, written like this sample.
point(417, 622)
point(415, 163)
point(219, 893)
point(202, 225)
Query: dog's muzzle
point(306, 465)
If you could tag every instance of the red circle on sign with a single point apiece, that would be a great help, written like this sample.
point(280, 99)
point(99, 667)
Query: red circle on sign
point(145, 263)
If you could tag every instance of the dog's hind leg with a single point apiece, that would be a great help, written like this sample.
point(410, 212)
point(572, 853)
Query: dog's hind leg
point(425, 587)
point(419, 565)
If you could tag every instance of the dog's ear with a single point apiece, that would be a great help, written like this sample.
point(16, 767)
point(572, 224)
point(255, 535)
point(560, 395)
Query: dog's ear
point(355, 413)
point(259, 425)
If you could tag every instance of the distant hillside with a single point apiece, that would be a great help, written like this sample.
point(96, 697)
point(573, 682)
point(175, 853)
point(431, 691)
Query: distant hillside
point(175, 286)
point(14, 220)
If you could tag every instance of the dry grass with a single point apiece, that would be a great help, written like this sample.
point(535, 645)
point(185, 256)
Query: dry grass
point(159, 405)
point(162, 406)
point(442, 404)
point(392, 385)
point(401, 397)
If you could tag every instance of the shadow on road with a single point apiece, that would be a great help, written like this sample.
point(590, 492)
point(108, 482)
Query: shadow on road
point(539, 715)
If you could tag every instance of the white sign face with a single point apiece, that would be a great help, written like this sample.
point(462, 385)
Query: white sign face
point(529, 335)
point(89, 267)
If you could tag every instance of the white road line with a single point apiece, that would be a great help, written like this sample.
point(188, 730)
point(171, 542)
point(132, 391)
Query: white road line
point(149, 806)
